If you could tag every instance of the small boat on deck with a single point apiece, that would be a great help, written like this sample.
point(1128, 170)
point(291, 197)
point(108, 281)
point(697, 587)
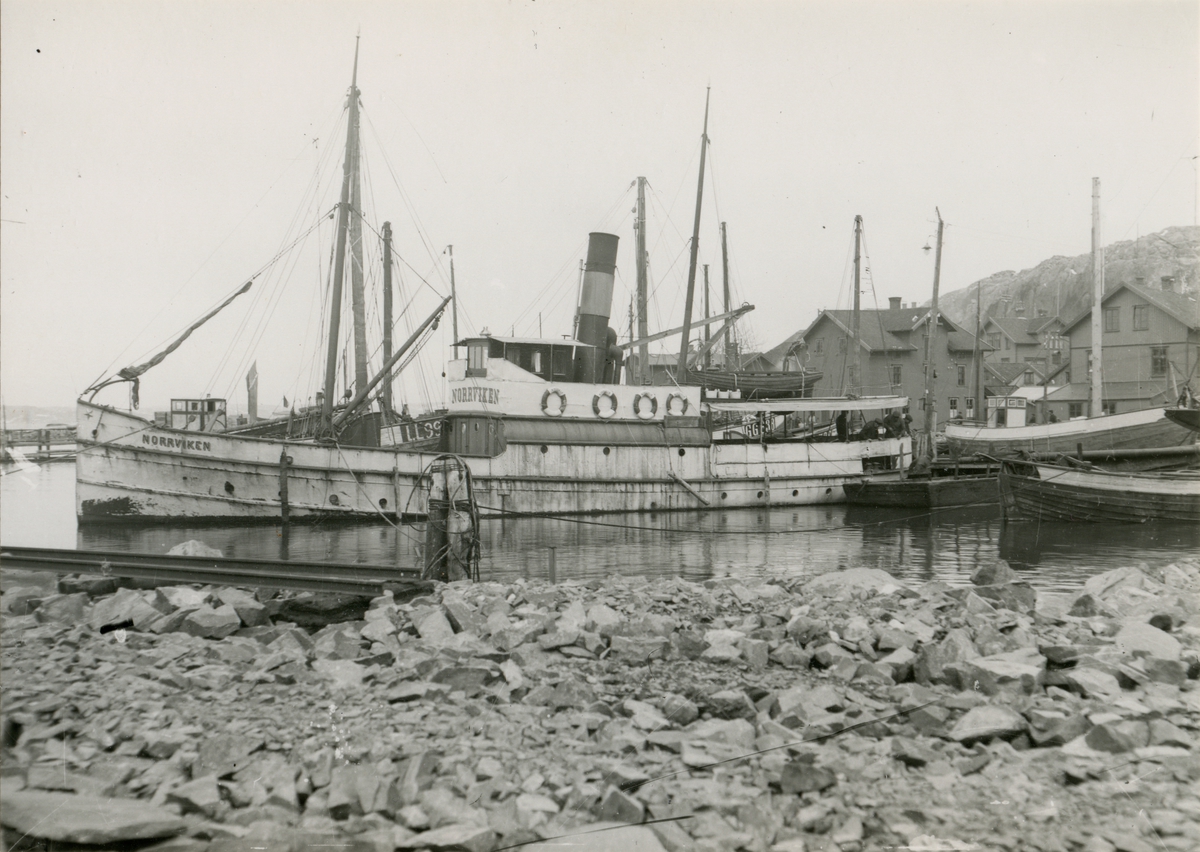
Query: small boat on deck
point(951, 491)
point(1081, 493)
point(1188, 418)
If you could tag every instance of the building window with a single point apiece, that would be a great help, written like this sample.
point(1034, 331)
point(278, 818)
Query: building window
point(819, 345)
point(1056, 358)
point(1074, 409)
point(895, 368)
point(841, 344)
point(921, 404)
point(1007, 343)
point(1158, 361)
point(953, 406)
point(970, 405)
point(1109, 407)
point(993, 340)
point(1141, 317)
point(1112, 319)
point(962, 375)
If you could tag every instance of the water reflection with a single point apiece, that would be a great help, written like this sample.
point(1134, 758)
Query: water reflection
point(37, 509)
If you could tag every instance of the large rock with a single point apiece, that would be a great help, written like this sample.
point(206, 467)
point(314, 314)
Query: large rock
point(224, 754)
point(804, 777)
point(249, 610)
point(198, 796)
point(86, 819)
point(66, 609)
point(124, 606)
point(1140, 638)
point(210, 623)
point(857, 578)
point(932, 660)
point(994, 574)
point(459, 838)
point(1017, 596)
point(195, 548)
point(987, 722)
point(183, 597)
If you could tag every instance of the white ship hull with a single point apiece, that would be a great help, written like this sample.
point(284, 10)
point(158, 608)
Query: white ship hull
point(129, 470)
point(1146, 429)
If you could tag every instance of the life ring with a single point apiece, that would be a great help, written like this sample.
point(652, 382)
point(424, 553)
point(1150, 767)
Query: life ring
point(558, 406)
point(607, 411)
point(642, 413)
point(682, 409)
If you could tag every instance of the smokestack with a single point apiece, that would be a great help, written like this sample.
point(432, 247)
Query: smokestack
point(595, 305)
point(894, 303)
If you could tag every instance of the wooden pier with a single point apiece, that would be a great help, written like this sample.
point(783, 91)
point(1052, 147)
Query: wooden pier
point(53, 443)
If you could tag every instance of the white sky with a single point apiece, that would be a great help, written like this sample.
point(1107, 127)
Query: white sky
point(155, 154)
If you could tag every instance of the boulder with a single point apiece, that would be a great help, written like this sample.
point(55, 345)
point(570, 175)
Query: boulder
point(65, 609)
point(195, 548)
point(183, 597)
point(873, 579)
point(125, 605)
point(210, 623)
point(248, 609)
point(994, 574)
point(987, 722)
point(458, 837)
point(1138, 637)
point(619, 806)
point(198, 796)
point(803, 777)
point(1017, 596)
point(224, 754)
point(86, 819)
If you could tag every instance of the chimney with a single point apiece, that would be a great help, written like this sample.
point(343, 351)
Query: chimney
point(894, 303)
point(595, 305)
point(1168, 283)
point(1140, 281)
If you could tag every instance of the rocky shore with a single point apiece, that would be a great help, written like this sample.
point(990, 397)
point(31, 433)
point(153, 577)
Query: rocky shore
point(843, 711)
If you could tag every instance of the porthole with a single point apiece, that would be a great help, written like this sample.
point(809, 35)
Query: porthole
point(607, 450)
point(545, 449)
point(333, 498)
point(382, 502)
point(828, 490)
point(724, 495)
point(760, 494)
point(228, 487)
point(795, 493)
point(682, 452)
point(653, 505)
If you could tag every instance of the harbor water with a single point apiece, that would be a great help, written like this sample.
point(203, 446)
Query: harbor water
point(37, 510)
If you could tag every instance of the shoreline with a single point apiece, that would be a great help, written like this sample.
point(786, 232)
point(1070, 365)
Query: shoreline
point(842, 711)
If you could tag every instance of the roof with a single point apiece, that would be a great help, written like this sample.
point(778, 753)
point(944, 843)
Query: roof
point(1178, 305)
point(888, 330)
point(1081, 391)
point(776, 354)
point(1009, 371)
point(544, 341)
point(1022, 328)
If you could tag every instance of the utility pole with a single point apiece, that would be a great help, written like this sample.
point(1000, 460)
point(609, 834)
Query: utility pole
point(930, 396)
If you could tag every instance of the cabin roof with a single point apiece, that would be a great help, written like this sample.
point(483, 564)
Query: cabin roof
point(543, 341)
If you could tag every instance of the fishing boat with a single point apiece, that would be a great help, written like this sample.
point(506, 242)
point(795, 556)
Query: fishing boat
point(1006, 432)
point(926, 486)
point(1081, 493)
point(545, 426)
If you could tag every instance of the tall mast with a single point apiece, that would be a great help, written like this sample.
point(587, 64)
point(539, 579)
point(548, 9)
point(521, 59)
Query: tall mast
point(453, 302)
point(387, 314)
point(357, 295)
point(729, 359)
point(1097, 400)
point(707, 327)
point(339, 260)
point(930, 404)
point(681, 371)
point(643, 322)
point(855, 362)
point(979, 389)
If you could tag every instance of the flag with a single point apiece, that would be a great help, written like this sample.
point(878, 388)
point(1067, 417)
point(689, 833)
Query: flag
point(252, 392)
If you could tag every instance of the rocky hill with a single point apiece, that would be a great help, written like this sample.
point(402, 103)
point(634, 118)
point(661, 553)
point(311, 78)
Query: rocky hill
point(1067, 281)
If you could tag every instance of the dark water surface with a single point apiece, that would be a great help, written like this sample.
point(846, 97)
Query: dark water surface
point(37, 510)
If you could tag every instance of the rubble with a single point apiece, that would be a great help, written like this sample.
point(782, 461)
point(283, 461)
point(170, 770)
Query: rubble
point(843, 711)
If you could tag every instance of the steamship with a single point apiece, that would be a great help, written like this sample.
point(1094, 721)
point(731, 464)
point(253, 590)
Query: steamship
point(546, 426)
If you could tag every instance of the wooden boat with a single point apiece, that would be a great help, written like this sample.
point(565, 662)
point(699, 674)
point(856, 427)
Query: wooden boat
point(1006, 433)
point(931, 488)
point(1188, 418)
point(758, 385)
point(544, 426)
point(1040, 491)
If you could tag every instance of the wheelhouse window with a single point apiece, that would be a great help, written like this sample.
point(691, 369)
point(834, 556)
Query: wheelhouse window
point(1141, 317)
point(537, 362)
point(1158, 361)
point(1074, 409)
point(477, 359)
point(1112, 319)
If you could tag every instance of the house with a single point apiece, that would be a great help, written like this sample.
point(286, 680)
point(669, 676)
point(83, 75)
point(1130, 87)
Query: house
point(892, 357)
point(1030, 340)
point(1151, 346)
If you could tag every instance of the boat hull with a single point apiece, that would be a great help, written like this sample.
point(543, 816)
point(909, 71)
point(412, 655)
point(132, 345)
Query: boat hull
point(1041, 492)
point(947, 492)
point(129, 470)
point(1149, 428)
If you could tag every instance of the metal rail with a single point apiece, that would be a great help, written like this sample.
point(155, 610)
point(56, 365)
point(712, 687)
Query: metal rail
point(335, 577)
